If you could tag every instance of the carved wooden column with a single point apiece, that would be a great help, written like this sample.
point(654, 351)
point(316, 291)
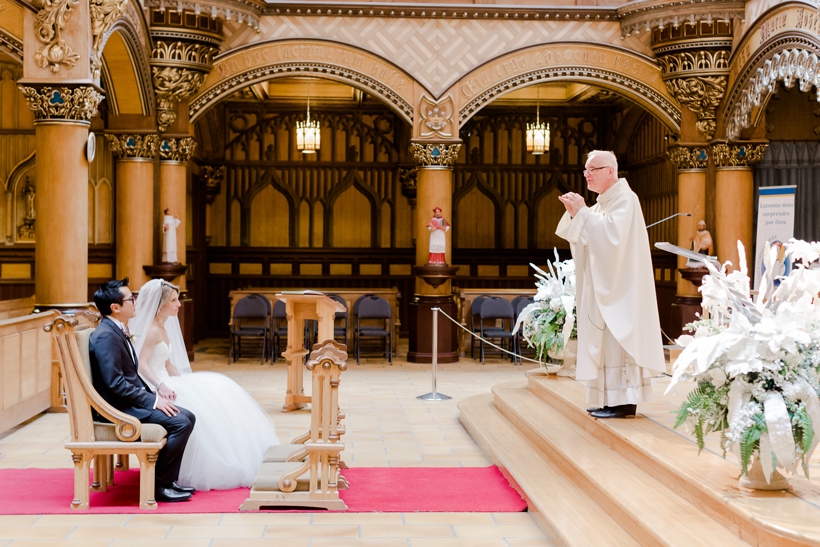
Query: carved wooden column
point(135, 204)
point(691, 178)
point(62, 116)
point(734, 201)
point(433, 287)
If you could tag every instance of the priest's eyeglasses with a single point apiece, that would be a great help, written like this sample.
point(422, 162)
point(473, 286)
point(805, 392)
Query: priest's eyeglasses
point(592, 169)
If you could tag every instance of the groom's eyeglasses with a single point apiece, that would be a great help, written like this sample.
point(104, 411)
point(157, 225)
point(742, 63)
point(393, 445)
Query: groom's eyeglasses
point(129, 299)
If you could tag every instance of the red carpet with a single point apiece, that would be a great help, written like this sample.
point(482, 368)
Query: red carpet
point(372, 489)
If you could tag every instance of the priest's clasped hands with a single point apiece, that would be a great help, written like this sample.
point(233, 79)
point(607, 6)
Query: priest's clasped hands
point(573, 202)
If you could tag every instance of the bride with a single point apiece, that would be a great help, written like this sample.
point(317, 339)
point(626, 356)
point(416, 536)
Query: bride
point(232, 431)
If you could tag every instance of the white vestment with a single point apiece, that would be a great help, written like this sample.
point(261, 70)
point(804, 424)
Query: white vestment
point(619, 335)
point(169, 238)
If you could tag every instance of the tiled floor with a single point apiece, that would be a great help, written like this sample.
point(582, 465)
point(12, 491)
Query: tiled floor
point(386, 426)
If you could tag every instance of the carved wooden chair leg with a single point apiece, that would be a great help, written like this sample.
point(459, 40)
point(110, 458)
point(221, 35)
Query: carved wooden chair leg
point(109, 468)
point(82, 463)
point(123, 463)
point(100, 481)
point(147, 472)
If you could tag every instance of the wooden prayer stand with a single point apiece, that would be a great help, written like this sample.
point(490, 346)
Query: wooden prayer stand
point(300, 307)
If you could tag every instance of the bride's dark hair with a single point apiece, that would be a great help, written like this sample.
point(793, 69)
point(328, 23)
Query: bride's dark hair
point(166, 289)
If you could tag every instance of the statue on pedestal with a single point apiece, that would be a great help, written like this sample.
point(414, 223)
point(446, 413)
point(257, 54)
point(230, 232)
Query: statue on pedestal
point(702, 240)
point(26, 230)
point(438, 227)
point(169, 237)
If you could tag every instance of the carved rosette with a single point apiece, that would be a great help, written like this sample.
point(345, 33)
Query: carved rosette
point(213, 175)
point(103, 13)
point(62, 103)
point(436, 117)
point(177, 149)
point(178, 68)
point(743, 155)
point(133, 146)
point(688, 158)
point(435, 155)
point(49, 23)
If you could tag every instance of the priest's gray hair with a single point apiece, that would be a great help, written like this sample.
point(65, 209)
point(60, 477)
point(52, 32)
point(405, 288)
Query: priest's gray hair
point(607, 159)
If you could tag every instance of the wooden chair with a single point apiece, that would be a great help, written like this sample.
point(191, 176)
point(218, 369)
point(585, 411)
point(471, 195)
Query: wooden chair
point(97, 441)
point(314, 482)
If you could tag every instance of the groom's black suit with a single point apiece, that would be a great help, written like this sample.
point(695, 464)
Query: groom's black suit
point(114, 366)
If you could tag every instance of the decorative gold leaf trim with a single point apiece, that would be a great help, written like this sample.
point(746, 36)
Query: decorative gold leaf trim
point(443, 155)
point(62, 103)
point(688, 158)
point(742, 155)
point(48, 25)
point(173, 149)
point(133, 146)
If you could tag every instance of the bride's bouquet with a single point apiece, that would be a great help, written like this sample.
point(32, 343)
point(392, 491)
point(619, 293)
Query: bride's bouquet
point(549, 322)
point(756, 362)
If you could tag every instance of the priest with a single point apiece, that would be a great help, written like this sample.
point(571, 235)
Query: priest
point(619, 334)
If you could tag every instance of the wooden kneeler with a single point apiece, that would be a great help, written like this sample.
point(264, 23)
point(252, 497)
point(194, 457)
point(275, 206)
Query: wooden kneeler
point(313, 482)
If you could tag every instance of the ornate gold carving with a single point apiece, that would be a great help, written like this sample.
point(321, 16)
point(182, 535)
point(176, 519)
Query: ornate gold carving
point(443, 155)
point(742, 155)
point(688, 158)
point(48, 25)
point(178, 70)
point(133, 146)
point(104, 13)
point(655, 15)
point(687, 61)
point(213, 175)
point(436, 117)
point(62, 103)
point(701, 95)
point(173, 149)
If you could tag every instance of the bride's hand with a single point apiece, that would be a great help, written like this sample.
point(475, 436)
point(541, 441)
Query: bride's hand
point(164, 391)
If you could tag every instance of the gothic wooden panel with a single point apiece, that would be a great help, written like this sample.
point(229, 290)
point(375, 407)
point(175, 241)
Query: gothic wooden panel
point(474, 224)
point(352, 219)
point(270, 219)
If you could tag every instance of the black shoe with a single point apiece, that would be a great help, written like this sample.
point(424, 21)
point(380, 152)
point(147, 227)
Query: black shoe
point(170, 495)
point(620, 411)
point(595, 409)
point(183, 489)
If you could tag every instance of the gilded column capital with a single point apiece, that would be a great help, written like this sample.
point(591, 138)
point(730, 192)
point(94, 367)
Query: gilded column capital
point(181, 57)
point(133, 146)
point(62, 102)
point(52, 17)
point(741, 155)
point(694, 62)
point(176, 149)
point(685, 158)
point(435, 154)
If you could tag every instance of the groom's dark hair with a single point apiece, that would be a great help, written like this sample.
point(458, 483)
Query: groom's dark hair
point(109, 293)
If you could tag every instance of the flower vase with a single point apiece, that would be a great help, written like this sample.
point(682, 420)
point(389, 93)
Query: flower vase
point(568, 354)
point(757, 480)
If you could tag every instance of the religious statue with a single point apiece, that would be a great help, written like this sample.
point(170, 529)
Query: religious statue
point(438, 226)
point(29, 194)
point(702, 240)
point(169, 237)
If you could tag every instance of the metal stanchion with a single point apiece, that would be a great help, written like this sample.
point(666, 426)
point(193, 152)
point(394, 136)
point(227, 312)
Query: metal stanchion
point(434, 396)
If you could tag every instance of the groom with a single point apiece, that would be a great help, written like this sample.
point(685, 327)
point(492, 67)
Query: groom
point(114, 366)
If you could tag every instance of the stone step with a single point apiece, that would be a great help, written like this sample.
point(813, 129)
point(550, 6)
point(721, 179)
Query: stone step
point(706, 480)
point(566, 514)
point(646, 508)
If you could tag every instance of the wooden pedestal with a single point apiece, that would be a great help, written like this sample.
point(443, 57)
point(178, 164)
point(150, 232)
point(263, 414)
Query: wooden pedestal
point(421, 330)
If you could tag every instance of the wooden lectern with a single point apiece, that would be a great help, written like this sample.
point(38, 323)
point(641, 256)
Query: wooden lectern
point(300, 306)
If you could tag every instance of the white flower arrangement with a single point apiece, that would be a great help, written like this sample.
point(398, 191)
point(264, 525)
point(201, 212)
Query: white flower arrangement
point(757, 362)
point(549, 322)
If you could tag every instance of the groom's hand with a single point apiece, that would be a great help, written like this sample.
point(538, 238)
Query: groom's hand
point(167, 407)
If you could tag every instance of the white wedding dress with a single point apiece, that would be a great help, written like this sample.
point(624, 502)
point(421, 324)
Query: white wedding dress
point(232, 431)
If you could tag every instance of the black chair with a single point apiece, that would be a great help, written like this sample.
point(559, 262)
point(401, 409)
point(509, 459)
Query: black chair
point(279, 329)
point(340, 331)
point(475, 317)
point(495, 308)
point(248, 313)
point(522, 302)
point(373, 307)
